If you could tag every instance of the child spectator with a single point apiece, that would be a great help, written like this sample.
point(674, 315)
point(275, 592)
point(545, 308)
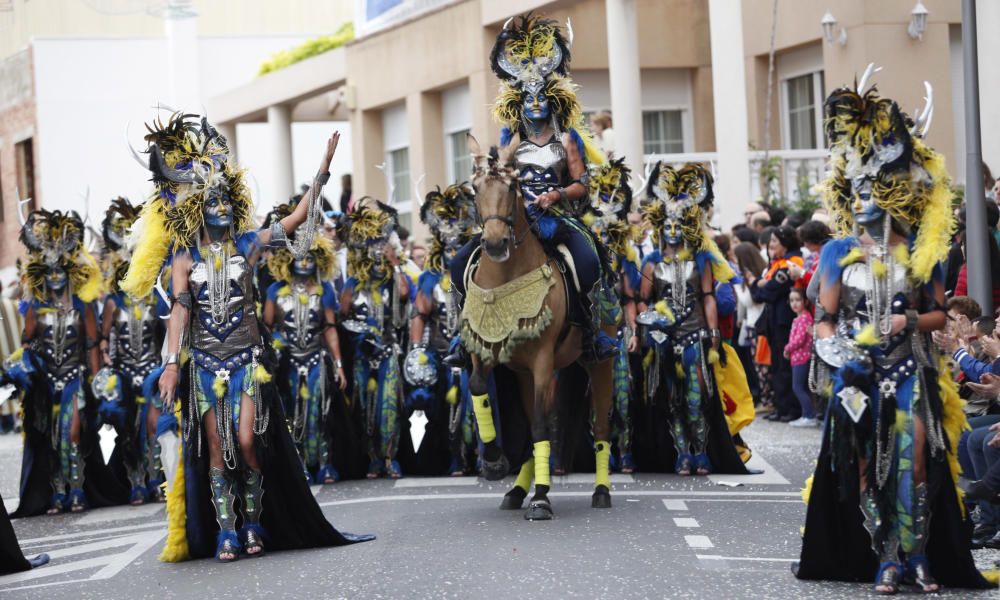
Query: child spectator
point(799, 352)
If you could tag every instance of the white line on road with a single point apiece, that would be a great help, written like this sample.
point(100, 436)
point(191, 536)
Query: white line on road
point(93, 532)
point(687, 522)
point(588, 478)
point(698, 541)
point(107, 544)
point(315, 489)
point(119, 513)
point(419, 482)
point(496, 496)
point(770, 476)
point(675, 504)
point(49, 571)
point(750, 558)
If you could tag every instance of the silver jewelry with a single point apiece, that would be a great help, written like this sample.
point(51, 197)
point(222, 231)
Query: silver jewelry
point(306, 233)
point(172, 359)
point(278, 235)
point(218, 282)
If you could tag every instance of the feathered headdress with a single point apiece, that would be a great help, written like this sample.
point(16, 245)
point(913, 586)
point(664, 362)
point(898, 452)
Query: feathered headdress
point(873, 140)
point(531, 56)
point(450, 214)
point(610, 201)
point(54, 239)
point(187, 158)
point(114, 230)
point(279, 263)
point(370, 227)
point(684, 196)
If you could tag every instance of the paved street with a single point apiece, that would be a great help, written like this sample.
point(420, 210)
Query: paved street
point(666, 537)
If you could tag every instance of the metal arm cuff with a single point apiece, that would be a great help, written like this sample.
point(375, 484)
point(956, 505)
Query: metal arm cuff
point(278, 236)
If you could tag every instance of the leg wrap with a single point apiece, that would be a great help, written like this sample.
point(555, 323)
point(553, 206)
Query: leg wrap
point(75, 468)
point(253, 491)
point(541, 456)
point(921, 519)
point(223, 499)
point(527, 474)
point(603, 455)
point(153, 463)
point(484, 419)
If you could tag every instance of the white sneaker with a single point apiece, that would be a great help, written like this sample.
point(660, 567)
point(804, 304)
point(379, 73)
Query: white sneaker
point(803, 422)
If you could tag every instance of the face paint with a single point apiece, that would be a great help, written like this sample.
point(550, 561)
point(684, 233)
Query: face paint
point(672, 233)
point(218, 208)
point(536, 108)
point(305, 266)
point(56, 279)
point(865, 210)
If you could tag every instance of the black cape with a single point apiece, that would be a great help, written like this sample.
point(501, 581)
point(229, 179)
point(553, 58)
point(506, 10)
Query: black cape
point(11, 558)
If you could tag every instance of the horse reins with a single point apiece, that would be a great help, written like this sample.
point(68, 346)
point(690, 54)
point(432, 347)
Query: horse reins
point(511, 220)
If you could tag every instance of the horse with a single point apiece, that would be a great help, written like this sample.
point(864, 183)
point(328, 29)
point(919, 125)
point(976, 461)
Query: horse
point(516, 315)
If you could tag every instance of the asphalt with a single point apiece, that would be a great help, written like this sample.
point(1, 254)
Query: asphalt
point(665, 537)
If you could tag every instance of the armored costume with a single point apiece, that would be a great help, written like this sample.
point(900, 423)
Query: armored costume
point(440, 390)
point(131, 338)
point(883, 504)
point(61, 467)
point(199, 220)
point(301, 311)
point(375, 303)
point(607, 216)
point(681, 323)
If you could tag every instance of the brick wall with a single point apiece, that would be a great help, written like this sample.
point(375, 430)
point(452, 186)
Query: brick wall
point(17, 122)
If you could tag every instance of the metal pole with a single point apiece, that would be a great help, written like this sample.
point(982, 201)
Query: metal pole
point(977, 249)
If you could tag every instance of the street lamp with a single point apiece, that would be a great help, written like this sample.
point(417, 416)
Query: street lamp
point(918, 21)
point(829, 24)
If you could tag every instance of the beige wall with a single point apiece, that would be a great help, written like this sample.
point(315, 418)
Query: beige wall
point(17, 122)
point(72, 18)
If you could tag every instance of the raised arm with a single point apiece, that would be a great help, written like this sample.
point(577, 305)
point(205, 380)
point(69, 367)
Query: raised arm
point(107, 322)
point(298, 216)
point(90, 335)
point(709, 306)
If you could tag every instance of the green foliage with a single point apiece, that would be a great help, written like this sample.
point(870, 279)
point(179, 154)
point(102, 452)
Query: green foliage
point(308, 49)
point(805, 202)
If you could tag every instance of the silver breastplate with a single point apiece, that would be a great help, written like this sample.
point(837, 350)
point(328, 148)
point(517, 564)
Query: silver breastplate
point(677, 283)
point(857, 294)
point(542, 168)
point(60, 340)
point(134, 345)
point(301, 323)
point(216, 344)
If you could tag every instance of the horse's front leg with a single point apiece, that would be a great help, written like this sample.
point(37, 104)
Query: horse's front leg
point(495, 465)
point(601, 388)
point(513, 499)
point(540, 509)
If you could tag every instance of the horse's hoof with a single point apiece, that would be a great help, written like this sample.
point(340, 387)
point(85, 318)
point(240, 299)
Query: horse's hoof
point(601, 497)
point(538, 510)
point(513, 499)
point(496, 470)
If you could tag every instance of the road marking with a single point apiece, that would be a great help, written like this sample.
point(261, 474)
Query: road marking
point(421, 482)
point(11, 504)
point(119, 513)
point(770, 476)
point(93, 532)
point(745, 558)
point(588, 478)
point(315, 489)
point(686, 522)
point(496, 496)
point(107, 544)
point(698, 541)
point(675, 504)
point(111, 564)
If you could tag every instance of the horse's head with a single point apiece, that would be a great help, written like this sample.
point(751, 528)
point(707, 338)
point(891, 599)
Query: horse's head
point(495, 180)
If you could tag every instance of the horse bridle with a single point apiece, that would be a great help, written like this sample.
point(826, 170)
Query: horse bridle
point(511, 219)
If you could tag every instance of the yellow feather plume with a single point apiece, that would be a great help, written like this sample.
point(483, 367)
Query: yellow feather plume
point(953, 421)
point(111, 384)
point(147, 260)
point(807, 490)
point(867, 336)
point(176, 548)
point(260, 375)
point(219, 387)
point(879, 269)
point(372, 385)
point(304, 389)
point(855, 255)
point(452, 396)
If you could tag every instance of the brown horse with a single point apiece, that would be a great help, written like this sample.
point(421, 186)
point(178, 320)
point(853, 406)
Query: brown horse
point(516, 288)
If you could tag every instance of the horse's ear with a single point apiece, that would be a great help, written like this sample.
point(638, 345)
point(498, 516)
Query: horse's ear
point(473, 145)
point(507, 154)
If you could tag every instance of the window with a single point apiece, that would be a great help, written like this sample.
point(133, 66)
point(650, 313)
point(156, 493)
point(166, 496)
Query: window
point(399, 176)
point(24, 178)
point(461, 160)
point(662, 132)
point(803, 112)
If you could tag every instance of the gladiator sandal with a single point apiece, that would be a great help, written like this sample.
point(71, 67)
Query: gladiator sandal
point(917, 566)
point(227, 542)
point(77, 499)
point(327, 474)
point(137, 479)
point(627, 463)
point(684, 463)
point(154, 471)
point(58, 502)
point(702, 465)
point(887, 579)
point(253, 532)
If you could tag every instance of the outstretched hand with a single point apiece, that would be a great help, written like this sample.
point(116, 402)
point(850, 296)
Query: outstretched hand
point(331, 149)
point(988, 386)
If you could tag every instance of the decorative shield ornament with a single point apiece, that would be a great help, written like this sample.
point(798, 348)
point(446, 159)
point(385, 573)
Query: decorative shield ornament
point(418, 368)
point(837, 351)
point(169, 456)
point(418, 427)
point(854, 401)
point(106, 440)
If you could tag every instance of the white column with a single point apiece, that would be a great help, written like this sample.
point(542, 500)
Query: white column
point(623, 73)
point(732, 186)
point(228, 130)
point(180, 23)
point(987, 18)
point(279, 124)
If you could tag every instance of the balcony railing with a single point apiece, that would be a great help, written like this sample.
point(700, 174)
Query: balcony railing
point(796, 171)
